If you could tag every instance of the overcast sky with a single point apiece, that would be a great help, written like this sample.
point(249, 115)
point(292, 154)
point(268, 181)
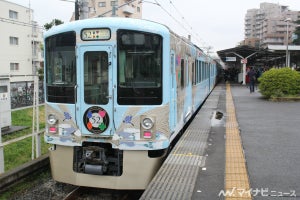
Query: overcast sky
point(215, 23)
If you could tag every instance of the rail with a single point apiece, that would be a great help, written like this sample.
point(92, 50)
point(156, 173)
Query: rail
point(13, 176)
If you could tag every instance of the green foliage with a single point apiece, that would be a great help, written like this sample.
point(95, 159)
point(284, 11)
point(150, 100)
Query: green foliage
point(279, 83)
point(41, 73)
point(54, 22)
point(18, 153)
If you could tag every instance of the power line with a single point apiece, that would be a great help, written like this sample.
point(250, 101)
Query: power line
point(170, 15)
point(196, 36)
point(10, 21)
point(189, 30)
point(180, 14)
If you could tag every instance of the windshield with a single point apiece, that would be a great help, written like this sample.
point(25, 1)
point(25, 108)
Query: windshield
point(139, 68)
point(60, 62)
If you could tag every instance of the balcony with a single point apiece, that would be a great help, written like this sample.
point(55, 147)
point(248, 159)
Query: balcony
point(128, 9)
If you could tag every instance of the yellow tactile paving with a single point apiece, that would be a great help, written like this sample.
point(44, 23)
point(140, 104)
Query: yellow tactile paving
point(233, 136)
point(233, 142)
point(237, 185)
point(235, 169)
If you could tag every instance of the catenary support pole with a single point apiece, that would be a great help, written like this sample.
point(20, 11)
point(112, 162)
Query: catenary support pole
point(1, 145)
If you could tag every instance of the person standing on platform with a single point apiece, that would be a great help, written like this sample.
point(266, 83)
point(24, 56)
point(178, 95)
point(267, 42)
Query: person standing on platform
point(252, 78)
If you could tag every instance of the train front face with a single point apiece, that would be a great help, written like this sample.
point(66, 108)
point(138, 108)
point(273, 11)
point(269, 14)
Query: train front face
point(106, 115)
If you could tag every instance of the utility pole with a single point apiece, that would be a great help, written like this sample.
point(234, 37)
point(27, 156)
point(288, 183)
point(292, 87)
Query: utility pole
point(76, 10)
point(81, 9)
point(84, 9)
point(114, 9)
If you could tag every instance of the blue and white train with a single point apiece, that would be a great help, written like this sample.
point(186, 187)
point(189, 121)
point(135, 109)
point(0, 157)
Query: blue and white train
point(118, 91)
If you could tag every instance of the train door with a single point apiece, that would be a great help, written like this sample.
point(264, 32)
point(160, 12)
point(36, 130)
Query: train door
point(94, 91)
point(173, 95)
point(188, 90)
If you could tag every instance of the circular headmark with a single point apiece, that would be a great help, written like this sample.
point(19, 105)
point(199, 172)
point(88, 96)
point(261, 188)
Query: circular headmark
point(96, 119)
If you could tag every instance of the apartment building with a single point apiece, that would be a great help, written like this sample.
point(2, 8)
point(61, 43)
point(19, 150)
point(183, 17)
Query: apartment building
point(21, 42)
point(21, 53)
point(109, 8)
point(269, 25)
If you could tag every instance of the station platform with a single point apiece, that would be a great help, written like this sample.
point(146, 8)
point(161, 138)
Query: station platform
point(239, 146)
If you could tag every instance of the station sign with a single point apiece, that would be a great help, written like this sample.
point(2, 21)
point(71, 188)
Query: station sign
point(230, 59)
point(244, 61)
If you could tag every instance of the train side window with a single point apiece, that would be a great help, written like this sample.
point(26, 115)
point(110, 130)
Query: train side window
point(207, 69)
point(193, 73)
point(199, 71)
point(187, 78)
point(182, 73)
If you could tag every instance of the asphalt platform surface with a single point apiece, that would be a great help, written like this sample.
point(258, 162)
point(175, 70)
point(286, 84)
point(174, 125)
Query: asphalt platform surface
point(270, 133)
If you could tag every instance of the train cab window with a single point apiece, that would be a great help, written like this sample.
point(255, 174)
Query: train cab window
point(139, 68)
point(60, 59)
point(96, 77)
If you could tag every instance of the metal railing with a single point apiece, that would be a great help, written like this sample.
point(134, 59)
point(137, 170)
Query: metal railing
point(36, 142)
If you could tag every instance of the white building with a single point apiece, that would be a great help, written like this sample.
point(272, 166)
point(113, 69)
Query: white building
point(21, 42)
point(21, 53)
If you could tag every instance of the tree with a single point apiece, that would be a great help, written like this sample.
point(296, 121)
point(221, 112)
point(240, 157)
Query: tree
point(54, 22)
point(297, 33)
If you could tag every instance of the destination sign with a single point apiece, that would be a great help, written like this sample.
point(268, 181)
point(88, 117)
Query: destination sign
point(95, 34)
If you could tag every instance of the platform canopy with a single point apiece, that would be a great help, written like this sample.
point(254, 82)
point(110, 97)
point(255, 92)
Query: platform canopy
point(252, 56)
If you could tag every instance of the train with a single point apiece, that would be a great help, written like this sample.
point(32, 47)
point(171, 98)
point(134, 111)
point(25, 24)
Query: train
point(118, 92)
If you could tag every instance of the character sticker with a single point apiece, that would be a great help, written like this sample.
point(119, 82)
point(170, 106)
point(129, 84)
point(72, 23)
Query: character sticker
point(96, 119)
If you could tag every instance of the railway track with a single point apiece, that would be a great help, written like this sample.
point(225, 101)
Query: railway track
point(35, 180)
point(48, 189)
point(86, 193)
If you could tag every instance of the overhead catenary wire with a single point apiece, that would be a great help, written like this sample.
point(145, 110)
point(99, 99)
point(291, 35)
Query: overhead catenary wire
point(182, 17)
point(184, 25)
point(194, 34)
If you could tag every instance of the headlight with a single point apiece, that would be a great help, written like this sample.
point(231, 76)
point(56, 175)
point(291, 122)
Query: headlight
point(147, 123)
point(52, 119)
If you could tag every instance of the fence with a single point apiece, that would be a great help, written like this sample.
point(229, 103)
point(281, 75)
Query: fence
point(21, 94)
point(34, 91)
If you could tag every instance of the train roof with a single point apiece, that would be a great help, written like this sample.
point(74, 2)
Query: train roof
point(117, 23)
point(111, 22)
